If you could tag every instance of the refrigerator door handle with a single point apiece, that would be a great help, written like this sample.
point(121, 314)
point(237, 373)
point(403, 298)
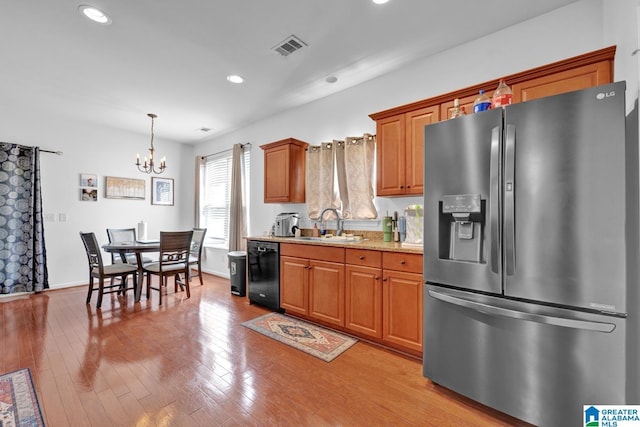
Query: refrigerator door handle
point(509, 199)
point(494, 207)
point(493, 310)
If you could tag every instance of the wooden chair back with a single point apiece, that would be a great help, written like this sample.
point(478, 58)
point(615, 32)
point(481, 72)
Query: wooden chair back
point(197, 241)
point(118, 235)
point(94, 255)
point(175, 247)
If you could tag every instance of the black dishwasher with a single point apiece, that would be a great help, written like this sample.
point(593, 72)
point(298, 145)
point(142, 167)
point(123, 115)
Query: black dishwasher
point(263, 270)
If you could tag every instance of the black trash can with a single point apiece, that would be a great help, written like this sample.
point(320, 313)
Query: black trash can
point(238, 270)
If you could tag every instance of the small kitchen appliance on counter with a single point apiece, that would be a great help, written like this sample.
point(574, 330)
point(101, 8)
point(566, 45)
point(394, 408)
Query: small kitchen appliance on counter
point(286, 224)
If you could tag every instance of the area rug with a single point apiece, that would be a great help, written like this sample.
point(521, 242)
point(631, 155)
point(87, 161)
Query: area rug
point(312, 339)
point(19, 405)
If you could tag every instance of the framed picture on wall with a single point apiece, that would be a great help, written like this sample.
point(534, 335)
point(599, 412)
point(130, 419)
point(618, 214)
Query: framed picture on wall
point(89, 194)
point(162, 191)
point(124, 188)
point(88, 180)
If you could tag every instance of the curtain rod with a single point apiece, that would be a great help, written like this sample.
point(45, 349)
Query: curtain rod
point(59, 153)
point(224, 151)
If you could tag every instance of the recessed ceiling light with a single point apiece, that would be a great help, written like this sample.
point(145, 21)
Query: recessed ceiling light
point(380, 1)
point(331, 79)
point(94, 14)
point(234, 78)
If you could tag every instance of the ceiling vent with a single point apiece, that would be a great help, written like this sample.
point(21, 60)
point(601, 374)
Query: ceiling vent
point(289, 45)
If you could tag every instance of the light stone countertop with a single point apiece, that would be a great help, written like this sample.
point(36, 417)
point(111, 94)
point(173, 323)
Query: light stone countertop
point(373, 244)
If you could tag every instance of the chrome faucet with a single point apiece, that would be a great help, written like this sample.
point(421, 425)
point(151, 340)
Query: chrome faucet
point(339, 220)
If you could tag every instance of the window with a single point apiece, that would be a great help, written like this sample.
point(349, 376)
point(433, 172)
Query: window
point(215, 195)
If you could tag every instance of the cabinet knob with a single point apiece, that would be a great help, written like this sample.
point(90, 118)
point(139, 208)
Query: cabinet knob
point(377, 278)
point(402, 186)
point(408, 186)
point(403, 262)
point(384, 279)
point(361, 257)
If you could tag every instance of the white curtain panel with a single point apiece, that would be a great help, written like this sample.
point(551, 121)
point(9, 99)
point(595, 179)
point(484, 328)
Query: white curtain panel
point(355, 159)
point(320, 182)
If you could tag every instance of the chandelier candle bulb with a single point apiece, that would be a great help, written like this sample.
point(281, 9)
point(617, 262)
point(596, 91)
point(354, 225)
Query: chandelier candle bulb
point(150, 166)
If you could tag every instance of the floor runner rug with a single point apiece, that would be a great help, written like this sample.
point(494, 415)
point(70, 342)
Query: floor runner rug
point(312, 339)
point(19, 405)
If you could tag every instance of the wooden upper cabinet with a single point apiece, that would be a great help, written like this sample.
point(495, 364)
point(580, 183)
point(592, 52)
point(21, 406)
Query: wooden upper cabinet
point(400, 140)
point(285, 171)
point(566, 81)
point(390, 154)
point(400, 149)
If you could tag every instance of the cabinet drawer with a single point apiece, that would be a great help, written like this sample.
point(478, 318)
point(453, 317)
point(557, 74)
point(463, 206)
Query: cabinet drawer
point(364, 257)
point(319, 252)
point(411, 263)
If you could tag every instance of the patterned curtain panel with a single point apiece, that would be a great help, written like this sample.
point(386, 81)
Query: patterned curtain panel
point(355, 160)
point(23, 260)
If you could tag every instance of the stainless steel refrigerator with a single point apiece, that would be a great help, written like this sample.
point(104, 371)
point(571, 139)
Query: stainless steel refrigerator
point(530, 214)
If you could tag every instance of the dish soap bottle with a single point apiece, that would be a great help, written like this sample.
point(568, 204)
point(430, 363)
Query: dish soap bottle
point(316, 232)
point(457, 111)
point(502, 96)
point(482, 102)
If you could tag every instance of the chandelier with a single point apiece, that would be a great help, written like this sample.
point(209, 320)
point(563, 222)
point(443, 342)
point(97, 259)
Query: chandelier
point(150, 166)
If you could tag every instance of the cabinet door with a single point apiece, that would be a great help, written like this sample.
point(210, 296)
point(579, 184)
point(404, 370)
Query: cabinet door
point(402, 309)
point(276, 174)
point(415, 122)
point(390, 156)
point(294, 284)
point(326, 291)
point(566, 81)
point(363, 293)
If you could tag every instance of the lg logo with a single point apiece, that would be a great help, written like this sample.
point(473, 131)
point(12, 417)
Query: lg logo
point(605, 95)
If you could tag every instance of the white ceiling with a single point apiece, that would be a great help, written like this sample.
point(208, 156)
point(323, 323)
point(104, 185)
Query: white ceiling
point(172, 57)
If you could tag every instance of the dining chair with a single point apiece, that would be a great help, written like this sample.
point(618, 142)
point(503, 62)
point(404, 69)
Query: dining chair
point(173, 260)
point(118, 235)
point(97, 270)
point(195, 255)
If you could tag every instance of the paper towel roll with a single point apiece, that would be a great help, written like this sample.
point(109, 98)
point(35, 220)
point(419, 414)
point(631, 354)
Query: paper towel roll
point(142, 230)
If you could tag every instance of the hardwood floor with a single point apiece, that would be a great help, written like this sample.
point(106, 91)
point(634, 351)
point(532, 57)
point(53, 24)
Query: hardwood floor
point(191, 363)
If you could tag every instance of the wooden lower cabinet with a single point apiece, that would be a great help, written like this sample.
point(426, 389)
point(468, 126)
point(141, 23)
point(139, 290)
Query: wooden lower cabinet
point(373, 294)
point(402, 314)
point(326, 292)
point(402, 290)
point(294, 284)
point(311, 287)
point(364, 300)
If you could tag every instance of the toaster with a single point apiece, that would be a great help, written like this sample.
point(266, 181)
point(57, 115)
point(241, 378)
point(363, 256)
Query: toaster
point(286, 224)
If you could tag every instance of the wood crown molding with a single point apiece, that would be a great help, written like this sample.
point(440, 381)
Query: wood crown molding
point(605, 54)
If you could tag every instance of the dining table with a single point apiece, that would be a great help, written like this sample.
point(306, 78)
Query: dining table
point(137, 248)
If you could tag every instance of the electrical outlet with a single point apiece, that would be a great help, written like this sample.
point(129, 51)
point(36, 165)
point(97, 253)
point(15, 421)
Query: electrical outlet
point(62, 217)
point(49, 217)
